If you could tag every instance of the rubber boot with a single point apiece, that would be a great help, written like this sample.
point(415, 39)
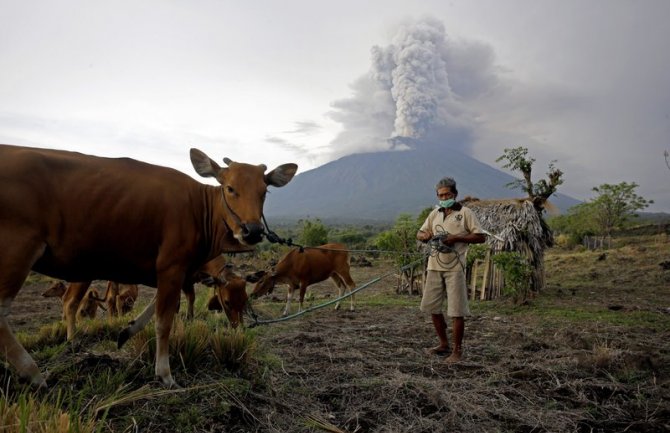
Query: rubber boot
point(458, 329)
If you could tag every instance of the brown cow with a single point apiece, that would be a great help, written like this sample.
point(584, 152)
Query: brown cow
point(120, 298)
point(230, 296)
point(229, 292)
point(78, 217)
point(88, 306)
point(300, 269)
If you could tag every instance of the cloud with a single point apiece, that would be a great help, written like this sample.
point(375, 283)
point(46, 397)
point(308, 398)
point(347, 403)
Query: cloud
point(311, 154)
point(305, 127)
point(285, 144)
point(416, 91)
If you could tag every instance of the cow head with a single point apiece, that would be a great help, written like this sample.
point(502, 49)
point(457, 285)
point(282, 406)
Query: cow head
point(231, 297)
point(88, 307)
point(125, 303)
point(243, 189)
point(56, 290)
point(265, 283)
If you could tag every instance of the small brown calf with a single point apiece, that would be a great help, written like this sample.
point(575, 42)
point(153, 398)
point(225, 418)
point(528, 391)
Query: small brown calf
point(230, 296)
point(120, 298)
point(302, 268)
point(229, 293)
point(89, 304)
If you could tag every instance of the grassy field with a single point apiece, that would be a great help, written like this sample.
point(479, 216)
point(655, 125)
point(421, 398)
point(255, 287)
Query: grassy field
point(589, 353)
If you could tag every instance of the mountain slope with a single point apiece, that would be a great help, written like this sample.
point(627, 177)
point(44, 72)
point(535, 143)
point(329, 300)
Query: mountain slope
point(379, 186)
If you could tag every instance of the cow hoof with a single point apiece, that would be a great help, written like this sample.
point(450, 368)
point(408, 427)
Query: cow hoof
point(124, 335)
point(37, 383)
point(168, 383)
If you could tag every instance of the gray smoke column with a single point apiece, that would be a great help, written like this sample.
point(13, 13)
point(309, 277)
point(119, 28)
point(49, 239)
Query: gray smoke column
point(416, 92)
point(414, 67)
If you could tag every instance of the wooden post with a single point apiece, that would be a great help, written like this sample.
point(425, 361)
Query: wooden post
point(473, 279)
point(487, 268)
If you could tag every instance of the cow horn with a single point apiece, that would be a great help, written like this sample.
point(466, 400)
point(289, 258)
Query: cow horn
point(227, 161)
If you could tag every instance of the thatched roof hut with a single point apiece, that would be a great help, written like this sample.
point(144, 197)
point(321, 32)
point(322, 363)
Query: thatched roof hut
point(517, 225)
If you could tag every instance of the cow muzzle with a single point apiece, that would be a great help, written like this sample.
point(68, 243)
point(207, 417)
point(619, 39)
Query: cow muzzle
point(252, 233)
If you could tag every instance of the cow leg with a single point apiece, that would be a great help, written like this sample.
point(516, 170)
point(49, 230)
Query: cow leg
point(16, 264)
point(349, 282)
point(73, 296)
point(137, 324)
point(167, 297)
point(289, 295)
point(119, 305)
point(13, 351)
point(112, 298)
point(303, 290)
point(15, 354)
point(189, 293)
point(339, 284)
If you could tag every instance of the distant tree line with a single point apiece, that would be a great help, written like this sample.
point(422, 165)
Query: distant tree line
point(614, 207)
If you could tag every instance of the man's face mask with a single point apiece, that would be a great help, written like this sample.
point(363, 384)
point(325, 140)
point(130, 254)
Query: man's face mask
point(447, 203)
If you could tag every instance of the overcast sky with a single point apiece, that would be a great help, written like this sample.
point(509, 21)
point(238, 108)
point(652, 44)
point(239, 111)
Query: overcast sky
point(585, 83)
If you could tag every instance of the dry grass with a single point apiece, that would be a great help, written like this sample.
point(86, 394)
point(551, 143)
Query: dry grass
point(26, 413)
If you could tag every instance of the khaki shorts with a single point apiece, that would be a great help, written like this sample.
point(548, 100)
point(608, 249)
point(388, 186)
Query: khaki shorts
point(445, 286)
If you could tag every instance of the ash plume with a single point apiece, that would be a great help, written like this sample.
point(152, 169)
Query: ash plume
point(416, 93)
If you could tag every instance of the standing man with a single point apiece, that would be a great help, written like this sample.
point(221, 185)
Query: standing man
point(451, 227)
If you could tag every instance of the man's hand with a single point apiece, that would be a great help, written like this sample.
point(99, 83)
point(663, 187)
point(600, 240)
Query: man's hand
point(424, 235)
point(449, 240)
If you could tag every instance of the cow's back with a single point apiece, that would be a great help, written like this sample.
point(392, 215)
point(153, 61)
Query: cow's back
point(314, 264)
point(99, 217)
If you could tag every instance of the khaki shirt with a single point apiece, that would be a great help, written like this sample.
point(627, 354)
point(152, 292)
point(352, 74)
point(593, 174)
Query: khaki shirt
point(458, 222)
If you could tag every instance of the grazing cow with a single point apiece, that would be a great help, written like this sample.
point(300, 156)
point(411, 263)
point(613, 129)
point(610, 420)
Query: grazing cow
point(79, 217)
point(120, 298)
point(215, 273)
point(89, 304)
point(230, 296)
point(300, 269)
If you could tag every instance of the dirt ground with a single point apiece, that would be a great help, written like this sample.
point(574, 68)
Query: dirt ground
point(366, 371)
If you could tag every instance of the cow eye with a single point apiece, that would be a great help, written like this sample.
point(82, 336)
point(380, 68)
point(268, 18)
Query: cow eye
point(230, 189)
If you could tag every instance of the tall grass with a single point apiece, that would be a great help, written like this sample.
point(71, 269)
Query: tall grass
point(99, 385)
point(197, 343)
point(189, 341)
point(25, 413)
point(232, 348)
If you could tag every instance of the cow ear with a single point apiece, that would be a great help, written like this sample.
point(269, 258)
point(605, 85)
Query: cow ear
point(255, 277)
point(203, 164)
point(208, 281)
point(281, 175)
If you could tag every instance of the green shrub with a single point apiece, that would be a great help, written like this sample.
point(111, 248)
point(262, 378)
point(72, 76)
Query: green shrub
point(517, 273)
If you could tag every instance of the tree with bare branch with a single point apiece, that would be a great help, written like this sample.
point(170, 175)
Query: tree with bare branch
point(517, 159)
